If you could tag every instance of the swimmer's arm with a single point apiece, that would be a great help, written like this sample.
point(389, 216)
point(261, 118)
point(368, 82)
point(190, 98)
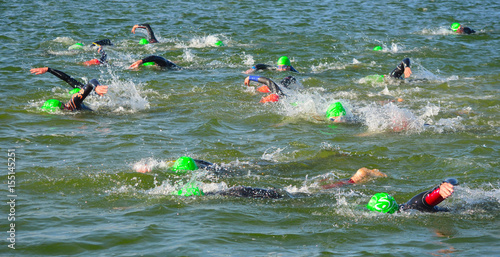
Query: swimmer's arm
point(402, 68)
point(104, 56)
point(293, 69)
point(273, 87)
point(151, 34)
point(68, 79)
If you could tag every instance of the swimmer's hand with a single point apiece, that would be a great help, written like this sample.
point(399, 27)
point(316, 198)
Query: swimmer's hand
point(101, 90)
point(407, 72)
point(446, 190)
point(247, 81)
point(38, 71)
point(135, 65)
point(137, 27)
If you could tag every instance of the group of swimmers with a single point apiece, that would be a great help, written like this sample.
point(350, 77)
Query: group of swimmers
point(381, 202)
point(425, 201)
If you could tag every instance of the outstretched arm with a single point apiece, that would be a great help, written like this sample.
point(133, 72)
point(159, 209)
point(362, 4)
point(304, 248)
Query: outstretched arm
point(68, 79)
point(151, 34)
point(361, 175)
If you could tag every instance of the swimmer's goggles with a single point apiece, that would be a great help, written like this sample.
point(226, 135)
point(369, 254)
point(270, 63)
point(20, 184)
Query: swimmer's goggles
point(282, 67)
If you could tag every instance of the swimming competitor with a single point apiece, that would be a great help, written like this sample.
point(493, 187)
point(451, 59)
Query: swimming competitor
point(336, 112)
point(403, 68)
point(79, 93)
point(426, 201)
point(151, 35)
point(458, 28)
point(270, 87)
point(156, 61)
point(283, 64)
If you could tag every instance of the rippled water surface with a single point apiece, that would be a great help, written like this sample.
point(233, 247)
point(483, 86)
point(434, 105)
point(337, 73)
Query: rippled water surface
point(76, 189)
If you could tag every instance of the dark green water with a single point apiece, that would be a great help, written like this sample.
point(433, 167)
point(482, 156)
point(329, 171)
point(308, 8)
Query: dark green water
point(76, 189)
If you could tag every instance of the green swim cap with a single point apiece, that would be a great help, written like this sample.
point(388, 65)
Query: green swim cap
point(374, 78)
point(148, 64)
point(74, 91)
point(219, 43)
point(76, 46)
point(377, 48)
point(189, 190)
point(335, 110)
point(143, 41)
point(183, 164)
point(455, 26)
point(52, 105)
point(283, 60)
point(382, 202)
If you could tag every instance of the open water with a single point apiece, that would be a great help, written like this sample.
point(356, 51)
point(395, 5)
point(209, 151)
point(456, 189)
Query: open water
point(76, 191)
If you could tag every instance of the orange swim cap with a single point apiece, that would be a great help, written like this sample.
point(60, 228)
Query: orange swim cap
point(264, 89)
point(92, 62)
point(270, 98)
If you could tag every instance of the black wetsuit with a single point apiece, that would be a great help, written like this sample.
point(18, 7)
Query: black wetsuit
point(68, 79)
point(76, 101)
point(468, 30)
point(242, 191)
point(162, 62)
point(151, 34)
point(273, 87)
point(261, 66)
point(427, 201)
point(239, 191)
point(399, 71)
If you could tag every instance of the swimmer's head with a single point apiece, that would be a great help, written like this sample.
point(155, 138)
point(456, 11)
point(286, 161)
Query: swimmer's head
point(382, 202)
point(52, 105)
point(219, 43)
point(143, 41)
point(148, 64)
point(184, 164)
point(377, 48)
point(189, 190)
point(76, 46)
point(74, 91)
point(455, 26)
point(283, 60)
point(335, 111)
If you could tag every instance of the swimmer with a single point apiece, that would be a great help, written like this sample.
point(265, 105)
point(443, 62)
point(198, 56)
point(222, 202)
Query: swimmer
point(182, 165)
point(156, 61)
point(151, 35)
point(283, 64)
point(79, 93)
point(336, 112)
point(458, 28)
point(426, 201)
